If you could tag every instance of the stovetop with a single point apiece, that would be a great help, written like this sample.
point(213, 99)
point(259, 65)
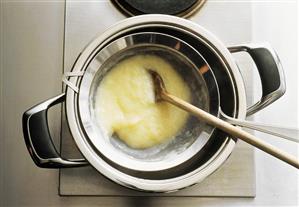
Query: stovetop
point(231, 22)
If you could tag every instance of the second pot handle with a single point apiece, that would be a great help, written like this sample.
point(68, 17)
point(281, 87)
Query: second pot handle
point(38, 139)
point(270, 71)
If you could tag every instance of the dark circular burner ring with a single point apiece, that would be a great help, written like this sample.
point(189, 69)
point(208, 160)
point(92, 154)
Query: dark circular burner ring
point(130, 11)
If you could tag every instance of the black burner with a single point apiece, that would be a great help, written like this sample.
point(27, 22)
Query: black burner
point(171, 7)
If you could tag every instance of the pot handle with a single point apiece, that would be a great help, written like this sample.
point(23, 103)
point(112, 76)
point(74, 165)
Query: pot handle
point(38, 140)
point(270, 71)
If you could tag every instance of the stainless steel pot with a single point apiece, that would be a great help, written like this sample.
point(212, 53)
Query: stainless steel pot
point(160, 176)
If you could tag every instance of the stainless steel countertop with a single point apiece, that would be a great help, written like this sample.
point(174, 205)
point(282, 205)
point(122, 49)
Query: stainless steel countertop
point(32, 49)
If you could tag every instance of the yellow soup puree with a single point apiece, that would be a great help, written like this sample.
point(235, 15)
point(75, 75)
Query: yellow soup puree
point(125, 102)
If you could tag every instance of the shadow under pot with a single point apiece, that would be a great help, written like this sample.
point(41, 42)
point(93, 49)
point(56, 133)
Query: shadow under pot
point(203, 62)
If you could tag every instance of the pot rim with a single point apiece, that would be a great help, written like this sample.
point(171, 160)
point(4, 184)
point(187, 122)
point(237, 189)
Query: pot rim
point(122, 178)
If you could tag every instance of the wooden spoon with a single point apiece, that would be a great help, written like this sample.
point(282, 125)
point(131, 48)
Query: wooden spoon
point(161, 94)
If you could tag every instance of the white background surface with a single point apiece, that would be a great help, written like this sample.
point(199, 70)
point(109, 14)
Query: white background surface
point(31, 37)
point(277, 23)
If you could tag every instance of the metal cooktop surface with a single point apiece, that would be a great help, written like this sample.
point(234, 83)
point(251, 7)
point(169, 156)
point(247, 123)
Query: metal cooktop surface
point(86, 19)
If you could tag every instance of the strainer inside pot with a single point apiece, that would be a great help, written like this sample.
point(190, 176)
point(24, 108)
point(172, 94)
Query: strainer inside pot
point(193, 69)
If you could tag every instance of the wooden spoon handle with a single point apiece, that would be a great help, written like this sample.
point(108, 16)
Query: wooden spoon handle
point(232, 130)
